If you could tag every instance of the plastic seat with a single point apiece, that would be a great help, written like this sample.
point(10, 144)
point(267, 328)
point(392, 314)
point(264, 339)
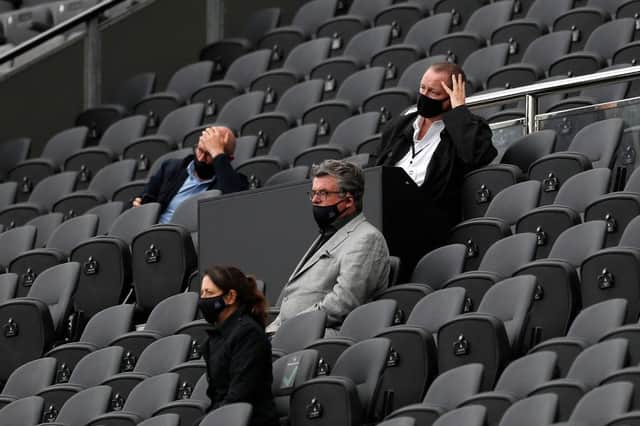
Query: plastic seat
point(106, 261)
point(28, 380)
point(472, 416)
point(308, 17)
point(224, 52)
point(524, 151)
point(582, 21)
point(25, 411)
point(31, 171)
point(349, 390)
point(281, 154)
point(344, 141)
point(445, 393)
point(107, 214)
point(297, 333)
point(183, 83)
point(534, 410)
point(32, 323)
point(356, 55)
point(15, 241)
point(547, 222)
point(294, 174)
point(353, 91)
point(189, 407)
point(481, 185)
point(398, 57)
point(593, 146)
point(88, 161)
point(267, 126)
point(79, 408)
point(237, 414)
point(556, 298)
point(237, 78)
point(297, 65)
point(498, 324)
point(45, 225)
point(477, 30)
point(591, 324)
point(519, 378)
point(12, 152)
point(290, 371)
point(603, 42)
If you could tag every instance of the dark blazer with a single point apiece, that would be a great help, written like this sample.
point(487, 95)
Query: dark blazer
point(465, 144)
point(168, 180)
point(238, 358)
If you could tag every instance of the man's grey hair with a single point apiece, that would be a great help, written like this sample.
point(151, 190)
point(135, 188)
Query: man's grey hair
point(349, 177)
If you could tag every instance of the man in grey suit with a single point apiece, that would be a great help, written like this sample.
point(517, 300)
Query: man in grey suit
point(348, 262)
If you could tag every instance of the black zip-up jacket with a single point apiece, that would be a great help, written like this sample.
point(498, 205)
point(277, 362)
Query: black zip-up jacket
point(238, 358)
point(168, 180)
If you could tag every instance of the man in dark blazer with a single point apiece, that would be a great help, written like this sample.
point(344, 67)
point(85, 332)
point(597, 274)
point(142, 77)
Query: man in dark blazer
point(209, 167)
point(437, 145)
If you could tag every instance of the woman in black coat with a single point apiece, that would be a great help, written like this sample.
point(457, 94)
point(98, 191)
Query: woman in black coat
point(238, 352)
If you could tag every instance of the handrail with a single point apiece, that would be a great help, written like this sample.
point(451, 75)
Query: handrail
point(87, 15)
point(544, 88)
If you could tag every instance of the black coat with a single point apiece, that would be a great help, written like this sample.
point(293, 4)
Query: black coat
point(238, 358)
point(168, 180)
point(465, 144)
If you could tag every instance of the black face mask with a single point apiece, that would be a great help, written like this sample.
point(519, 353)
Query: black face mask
point(429, 107)
point(211, 307)
point(203, 170)
point(326, 215)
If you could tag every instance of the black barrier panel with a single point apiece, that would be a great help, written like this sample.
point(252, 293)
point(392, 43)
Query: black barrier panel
point(266, 231)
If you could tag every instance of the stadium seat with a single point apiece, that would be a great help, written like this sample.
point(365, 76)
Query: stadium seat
point(28, 380)
point(236, 414)
point(581, 21)
point(8, 191)
point(12, 152)
point(294, 174)
point(498, 324)
point(116, 137)
point(346, 396)
point(481, 185)
point(472, 416)
point(8, 284)
point(534, 410)
point(440, 264)
point(107, 213)
point(524, 151)
point(15, 241)
point(192, 407)
point(289, 371)
point(80, 408)
point(25, 411)
point(298, 332)
point(45, 224)
point(445, 393)
point(402, 16)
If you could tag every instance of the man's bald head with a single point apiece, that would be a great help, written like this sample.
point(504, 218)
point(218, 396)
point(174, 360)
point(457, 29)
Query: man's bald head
point(449, 69)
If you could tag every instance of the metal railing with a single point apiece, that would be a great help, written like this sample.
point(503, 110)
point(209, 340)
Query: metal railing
point(92, 43)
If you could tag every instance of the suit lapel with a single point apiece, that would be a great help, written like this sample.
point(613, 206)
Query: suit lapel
point(329, 247)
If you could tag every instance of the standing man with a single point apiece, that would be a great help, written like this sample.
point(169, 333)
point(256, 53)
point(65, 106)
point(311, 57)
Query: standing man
point(208, 168)
point(437, 145)
point(348, 262)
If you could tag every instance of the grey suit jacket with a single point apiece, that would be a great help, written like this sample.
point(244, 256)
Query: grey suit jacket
point(341, 275)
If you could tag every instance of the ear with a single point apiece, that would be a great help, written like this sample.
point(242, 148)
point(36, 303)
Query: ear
point(230, 297)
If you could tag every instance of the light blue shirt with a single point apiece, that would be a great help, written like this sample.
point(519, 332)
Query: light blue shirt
point(192, 185)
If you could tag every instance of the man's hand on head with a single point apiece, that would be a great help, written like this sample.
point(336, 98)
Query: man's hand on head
point(137, 202)
point(457, 92)
point(214, 140)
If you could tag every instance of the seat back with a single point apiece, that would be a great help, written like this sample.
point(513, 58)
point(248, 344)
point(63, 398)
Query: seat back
point(186, 214)
point(452, 387)
point(361, 84)
point(485, 19)
point(292, 142)
point(12, 152)
point(45, 225)
point(133, 89)
point(49, 189)
point(84, 406)
point(472, 415)
point(410, 78)
point(151, 394)
point(524, 374)
point(313, 13)
point(529, 148)
point(240, 109)
point(30, 378)
point(110, 177)
point(439, 265)
point(163, 354)
point(96, 367)
point(305, 56)
point(546, 11)
point(603, 404)
point(596, 362)
point(247, 67)
point(72, 232)
point(545, 50)
point(54, 287)
point(15, 241)
point(300, 331)
point(25, 411)
point(508, 254)
point(598, 141)
point(133, 221)
point(117, 136)
point(514, 201)
point(173, 312)
point(607, 38)
point(594, 321)
point(260, 22)
point(300, 97)
point(580, 241)
point(436, 308)
point(532, 411)
point(64, 143)
point(238, 413)
point(352, 131)
point(479, 65)
point(107, 213)
point(367, 320)
point(631, 235)
point(189, 78)
point(424, 32)
point(365, 43)
point(582, 189)
point(179, 121)
point(108, 324)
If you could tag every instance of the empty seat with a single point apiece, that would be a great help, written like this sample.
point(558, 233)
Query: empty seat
point(8, 285)
point(25, 411)
point(32, 323)
point(362, 323)
point(556, 300)
point(290, 371)
point(298, 332)
point(15, 241)
point(63, 239)
point(591, 324)
point(281, 154)
point(534, 410)
point(12, 152)
point(445, 393)
point(193, 406)
point(237, 414)
point(349, 391)
point(481, 185)
point(293, 175)
point(583, 20)
point(519, 378)
point(355, 89)
point(593, 146)
point(267, 126)
point(45, 225)
point(547, 222)
point(31, 171)
point(477, 30)
point(524, 151)
point(473, 415)
point(224, 52)
point(79, 408)
point(28, 380)
point(498, 324)
point(107, 213)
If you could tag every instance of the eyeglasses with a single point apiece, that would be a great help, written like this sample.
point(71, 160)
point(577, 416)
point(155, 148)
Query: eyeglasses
point(322, 195)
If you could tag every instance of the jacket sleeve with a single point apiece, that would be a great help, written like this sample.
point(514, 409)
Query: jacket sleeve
point(154, 185)
point(364, 269)
point(471, 137)
point(227, 179)
point(249, 350)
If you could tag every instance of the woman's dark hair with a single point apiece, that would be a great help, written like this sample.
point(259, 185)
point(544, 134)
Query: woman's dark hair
point(248, 296)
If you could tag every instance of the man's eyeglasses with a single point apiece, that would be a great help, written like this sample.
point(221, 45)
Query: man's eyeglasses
point(322, 195)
